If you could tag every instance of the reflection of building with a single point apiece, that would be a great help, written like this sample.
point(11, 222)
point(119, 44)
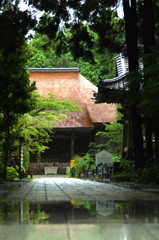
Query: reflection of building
point(72, 137)
point(104, 208)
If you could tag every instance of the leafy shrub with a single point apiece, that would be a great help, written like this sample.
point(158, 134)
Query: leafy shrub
point(69, 174)
point(81, 163)
point(93, 149)
point(116, 158)
point(149, 174)
point(120, 177)
point(125, 165)
point(127, 173)
point(12, 173)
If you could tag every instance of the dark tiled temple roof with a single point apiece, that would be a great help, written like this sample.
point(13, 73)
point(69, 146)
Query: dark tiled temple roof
point(106, 87)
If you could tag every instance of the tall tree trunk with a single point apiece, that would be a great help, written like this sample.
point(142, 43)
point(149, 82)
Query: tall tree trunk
point(148, 135)
point(132, 49)
point(149, 41)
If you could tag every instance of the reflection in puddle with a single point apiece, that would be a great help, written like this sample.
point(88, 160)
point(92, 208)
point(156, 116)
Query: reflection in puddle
point(7, 189)
point(22, 213)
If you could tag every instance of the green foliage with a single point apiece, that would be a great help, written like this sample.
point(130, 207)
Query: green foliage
point(116, 158)
point(128, 170)
point(35, 136)
point(12, 173)
point(113, 132)
point(44, 55)
point(50, 103)
point(31, 215)
point(15, 87)
point(93, 149)
point(89, 205)
point(120, 177)
point(86, 38)
point(81, 163)
point(127, 174)
point(69, 173)
point(84, 19)
point(39, 60)
point(125, 165)
point(149, 103)
point(149, 174)
point(26, 157)
point(36, 126)
point(37, 216)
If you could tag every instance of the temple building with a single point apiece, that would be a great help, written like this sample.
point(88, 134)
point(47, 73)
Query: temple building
point(106, 93)
point(72, 136)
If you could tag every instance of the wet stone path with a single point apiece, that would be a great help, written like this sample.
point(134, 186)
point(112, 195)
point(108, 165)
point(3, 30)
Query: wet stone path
point(67, 189)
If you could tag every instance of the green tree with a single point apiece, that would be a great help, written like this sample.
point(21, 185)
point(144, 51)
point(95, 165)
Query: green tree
point(36, 126)
point(114, 135)
point(15, 88)
point(100, 16)
point(113, 132)
point(39, 60)
point(44, 55)
point(93, 149)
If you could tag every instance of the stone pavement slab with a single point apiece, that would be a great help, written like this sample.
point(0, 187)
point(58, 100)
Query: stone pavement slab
point(68, 189)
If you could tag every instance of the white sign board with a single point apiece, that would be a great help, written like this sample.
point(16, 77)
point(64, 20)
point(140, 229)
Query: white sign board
point(103, 157)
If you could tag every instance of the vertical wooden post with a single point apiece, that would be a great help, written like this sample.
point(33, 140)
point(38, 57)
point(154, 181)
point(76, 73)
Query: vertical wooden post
point(72, 145)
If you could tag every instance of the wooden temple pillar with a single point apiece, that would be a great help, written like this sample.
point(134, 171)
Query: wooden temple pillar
point(156, 131)
point(72, 145)
point(137, 139)
point(127, 147)
point(148, 135)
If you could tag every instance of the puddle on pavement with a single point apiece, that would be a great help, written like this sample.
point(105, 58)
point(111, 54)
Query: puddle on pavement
point(25, 213)
point(6, 189)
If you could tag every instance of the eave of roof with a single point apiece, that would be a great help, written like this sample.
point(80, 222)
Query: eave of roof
point(106, 90)
point(53, 69)
point(109, 82)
